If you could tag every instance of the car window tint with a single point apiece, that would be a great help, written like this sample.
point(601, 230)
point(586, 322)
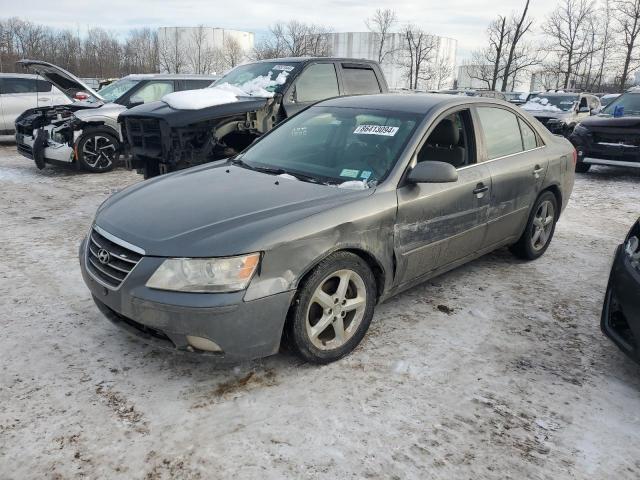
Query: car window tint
point(195, 84)
point(317, 82)
point(448, 142)
point(360, 81)
point(501, 132)
point(529, 139)
point(43, 86)
point(153, 91)
point(18, 85)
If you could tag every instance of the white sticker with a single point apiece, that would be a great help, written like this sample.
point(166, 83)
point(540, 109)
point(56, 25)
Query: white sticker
point(285, 68)
point(347, 172)
point(365, 174)
point(376, 130)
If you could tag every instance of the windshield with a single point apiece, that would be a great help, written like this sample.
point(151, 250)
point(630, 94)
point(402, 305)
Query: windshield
point(114, 91)
point(258, 79)
point(554, 103)
point(353, 147)
point(625, 105)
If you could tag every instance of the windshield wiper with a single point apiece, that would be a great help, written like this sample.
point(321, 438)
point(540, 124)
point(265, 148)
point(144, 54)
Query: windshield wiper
point(277, 171)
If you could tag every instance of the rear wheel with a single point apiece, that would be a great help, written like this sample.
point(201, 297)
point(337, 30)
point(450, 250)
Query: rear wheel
point(540, 228)
point(98, 151)
point(333, 309)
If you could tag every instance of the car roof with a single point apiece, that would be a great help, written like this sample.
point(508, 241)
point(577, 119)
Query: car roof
point(313, 59)
point(406, 102)
point(169, 76)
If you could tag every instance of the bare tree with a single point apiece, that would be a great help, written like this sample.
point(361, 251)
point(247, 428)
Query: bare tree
point(381, 24)
point(567, 29)
point(293, 39)
point(520, 26)
point(627, 13)
point(487, 64)
point(421, 49)
point(232, 52)
point(171, 51)
point(199, 54)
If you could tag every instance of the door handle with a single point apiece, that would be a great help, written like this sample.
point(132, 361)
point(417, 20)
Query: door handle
point(537, 170)
point(480, 189)
point(43, 99)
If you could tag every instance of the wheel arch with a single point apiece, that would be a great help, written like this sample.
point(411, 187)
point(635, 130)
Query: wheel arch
point(555, 189)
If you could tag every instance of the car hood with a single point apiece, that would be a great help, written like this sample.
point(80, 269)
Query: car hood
point(549, 114)
point(180, 118)
point(110, 110)
point(216, 209)
point(65, 81)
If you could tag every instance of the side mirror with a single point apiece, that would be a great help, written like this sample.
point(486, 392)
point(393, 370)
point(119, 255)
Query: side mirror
point(584, 110)
point(433, 172)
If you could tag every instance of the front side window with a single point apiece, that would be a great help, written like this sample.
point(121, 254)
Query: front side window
point(625, 105)
point(335, 145)
point(501, 132)
point(317, 82)
point(152, 91)
point(450, 141)
point(360, 81)
point(117, 89)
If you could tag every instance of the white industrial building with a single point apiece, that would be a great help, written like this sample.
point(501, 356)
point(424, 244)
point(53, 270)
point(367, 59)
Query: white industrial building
point(366, 44)
point(184, 42)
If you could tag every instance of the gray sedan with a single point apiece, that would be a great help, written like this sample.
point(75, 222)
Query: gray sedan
point(342, 206)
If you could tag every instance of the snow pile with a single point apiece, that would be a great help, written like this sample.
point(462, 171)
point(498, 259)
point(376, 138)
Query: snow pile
point(256, 87)
point(224, 93)
point(354, 185)
point(197, 99)
point(538, 104)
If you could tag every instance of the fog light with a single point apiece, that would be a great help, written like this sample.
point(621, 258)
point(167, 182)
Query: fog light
point(203, 344)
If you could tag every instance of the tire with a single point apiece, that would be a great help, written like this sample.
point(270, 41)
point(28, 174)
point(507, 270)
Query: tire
point(151, 169)
point(319, 303)
point(582, 167)
point(98, 151)
point(533, 244)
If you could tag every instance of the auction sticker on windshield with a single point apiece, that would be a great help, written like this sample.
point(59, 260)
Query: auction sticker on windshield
point(376, 130)
point(284, 68)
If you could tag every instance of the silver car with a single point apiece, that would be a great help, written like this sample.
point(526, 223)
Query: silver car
point(20, 92)
point(347, 203)
point(87, 132)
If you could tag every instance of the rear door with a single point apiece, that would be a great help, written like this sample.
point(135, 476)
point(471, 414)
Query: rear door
point(441, 223)
point(511, 151)
point(318, 81)
point(18, 95)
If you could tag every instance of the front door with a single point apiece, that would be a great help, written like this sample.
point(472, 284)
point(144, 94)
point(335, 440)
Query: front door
point(439, 224)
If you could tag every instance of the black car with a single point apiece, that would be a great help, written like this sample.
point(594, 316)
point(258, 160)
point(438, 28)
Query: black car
point(621, 311)
point(611, 137)
point(186, 129)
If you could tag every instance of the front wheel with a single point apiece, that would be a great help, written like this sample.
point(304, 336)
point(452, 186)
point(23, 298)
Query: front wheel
point(540, 228)
point(582, 167)
point(98, 151)
point(333, 309)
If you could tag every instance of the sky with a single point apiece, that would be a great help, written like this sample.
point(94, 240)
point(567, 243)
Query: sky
point(464, 20)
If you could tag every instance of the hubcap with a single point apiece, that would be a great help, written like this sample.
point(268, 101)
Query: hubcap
point(542, 225)
point(336, 309)
point(99, 152)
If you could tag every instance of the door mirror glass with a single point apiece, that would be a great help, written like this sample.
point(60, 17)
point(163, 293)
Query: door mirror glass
point(433, 172)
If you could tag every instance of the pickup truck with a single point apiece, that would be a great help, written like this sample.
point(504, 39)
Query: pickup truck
point(184, 129)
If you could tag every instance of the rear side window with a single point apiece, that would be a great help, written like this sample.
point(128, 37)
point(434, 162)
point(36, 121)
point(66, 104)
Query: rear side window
point(153, 91)
point(317, 82)
point(529, 139)
point(359, 80)
point(193, 84)
point(18, 85)
point(501, 132)
point(43, 86)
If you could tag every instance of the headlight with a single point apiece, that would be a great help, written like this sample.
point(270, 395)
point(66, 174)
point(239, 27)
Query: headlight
point(205, 275)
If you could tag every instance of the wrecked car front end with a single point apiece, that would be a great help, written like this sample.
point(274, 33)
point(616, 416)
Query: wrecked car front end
point(162, 139)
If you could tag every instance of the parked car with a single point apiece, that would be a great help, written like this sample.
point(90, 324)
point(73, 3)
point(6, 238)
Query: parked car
point(621, 310)
point(608, 98)
point(349, 202)
point(611, 137)
point(475, 93)
point(517, 98)
point(184, 130)
point(20, 92)
point(87, 132)
point(561, 111)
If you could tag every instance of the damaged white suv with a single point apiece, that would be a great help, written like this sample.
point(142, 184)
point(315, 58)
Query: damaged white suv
point(87, 132)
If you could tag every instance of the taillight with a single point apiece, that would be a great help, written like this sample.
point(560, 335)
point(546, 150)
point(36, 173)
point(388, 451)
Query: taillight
point(81, 96)
point(575, 157)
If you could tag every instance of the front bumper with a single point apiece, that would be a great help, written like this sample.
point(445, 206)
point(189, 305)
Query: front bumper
point(242, 329)
point(620, 319)
point(605, 153)
point(50, 151)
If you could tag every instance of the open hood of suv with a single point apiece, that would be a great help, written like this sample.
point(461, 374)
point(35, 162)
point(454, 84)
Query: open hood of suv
point(67, 82)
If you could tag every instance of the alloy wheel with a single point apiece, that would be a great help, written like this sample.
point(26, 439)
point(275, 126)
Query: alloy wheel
point(336, 309)
point(99, 152)
point(542, 225)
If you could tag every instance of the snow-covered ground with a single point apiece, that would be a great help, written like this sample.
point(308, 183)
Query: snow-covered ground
point(495, 370)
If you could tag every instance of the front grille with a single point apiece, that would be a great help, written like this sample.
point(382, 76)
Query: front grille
point(144, 134)
point(109, 262)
